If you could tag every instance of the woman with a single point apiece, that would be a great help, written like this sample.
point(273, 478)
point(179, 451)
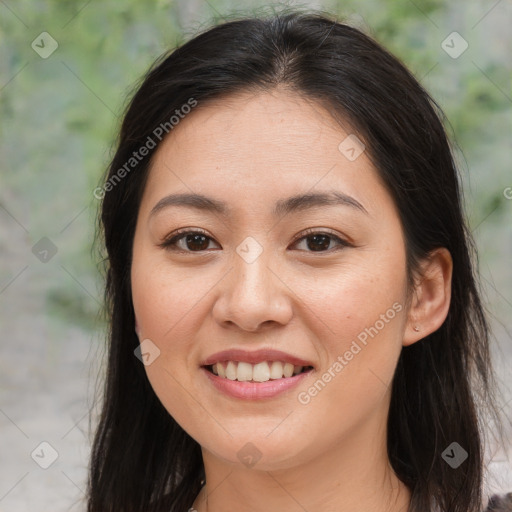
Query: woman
point(295, 323)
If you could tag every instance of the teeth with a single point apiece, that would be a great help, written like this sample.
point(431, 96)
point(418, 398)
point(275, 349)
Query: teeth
point(288, 369)
point(244, 371)
point(276, 370)
point(231, 372)
point(260, 372)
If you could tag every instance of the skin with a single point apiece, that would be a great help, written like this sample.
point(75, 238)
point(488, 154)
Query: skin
point(251, 150)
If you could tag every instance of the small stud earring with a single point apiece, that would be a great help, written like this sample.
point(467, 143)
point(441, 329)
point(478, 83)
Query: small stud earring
point(416, 328)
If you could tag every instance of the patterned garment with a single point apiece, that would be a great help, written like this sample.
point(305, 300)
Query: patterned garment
point(501, 503)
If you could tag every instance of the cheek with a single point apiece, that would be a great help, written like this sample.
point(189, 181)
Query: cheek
point(354, 297)
point(165, 308)
point(360, 314)
point(164, 300)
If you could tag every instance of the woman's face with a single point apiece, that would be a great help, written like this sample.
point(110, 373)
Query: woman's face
point(256, 279)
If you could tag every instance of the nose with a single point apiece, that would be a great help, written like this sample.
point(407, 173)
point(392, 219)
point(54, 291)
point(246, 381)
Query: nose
point(253, 296)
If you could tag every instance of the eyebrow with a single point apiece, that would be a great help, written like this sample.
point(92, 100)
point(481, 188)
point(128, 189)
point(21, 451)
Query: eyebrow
point(282, 207)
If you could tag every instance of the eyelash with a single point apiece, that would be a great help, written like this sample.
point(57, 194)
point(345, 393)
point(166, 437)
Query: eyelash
point(170, 242)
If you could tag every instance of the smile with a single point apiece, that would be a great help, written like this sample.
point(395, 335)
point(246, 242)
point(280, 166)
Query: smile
point(253, 389)
point(260, 372)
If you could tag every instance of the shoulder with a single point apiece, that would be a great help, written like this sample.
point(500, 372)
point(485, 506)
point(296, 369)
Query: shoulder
point(500, 503)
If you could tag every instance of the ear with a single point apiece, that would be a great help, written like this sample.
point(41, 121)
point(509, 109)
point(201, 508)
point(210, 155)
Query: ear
point(431, 296)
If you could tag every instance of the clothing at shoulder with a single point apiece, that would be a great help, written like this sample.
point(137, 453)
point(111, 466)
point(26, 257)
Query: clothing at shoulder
point(499, 503)
point(496, 503)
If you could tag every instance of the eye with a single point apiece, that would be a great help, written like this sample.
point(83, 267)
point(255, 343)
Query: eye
point(197, 241)
point(193, 241)
point(321, 240)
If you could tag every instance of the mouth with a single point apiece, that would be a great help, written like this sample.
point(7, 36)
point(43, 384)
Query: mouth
point(263, 371)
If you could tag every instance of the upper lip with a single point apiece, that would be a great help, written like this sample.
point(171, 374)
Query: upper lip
point(254, 356)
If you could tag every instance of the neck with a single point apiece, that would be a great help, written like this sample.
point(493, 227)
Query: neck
point(351, 477)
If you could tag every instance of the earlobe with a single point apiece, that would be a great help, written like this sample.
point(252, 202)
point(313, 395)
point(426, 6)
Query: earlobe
point(431, 297)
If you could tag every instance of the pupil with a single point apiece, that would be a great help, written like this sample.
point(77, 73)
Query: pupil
point(191, 239)
point(315, 238)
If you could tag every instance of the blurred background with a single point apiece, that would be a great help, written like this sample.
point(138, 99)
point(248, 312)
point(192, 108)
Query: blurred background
point(66, 70)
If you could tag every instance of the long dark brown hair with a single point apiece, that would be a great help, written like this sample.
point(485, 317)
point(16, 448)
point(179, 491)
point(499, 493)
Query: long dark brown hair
point(141, 459)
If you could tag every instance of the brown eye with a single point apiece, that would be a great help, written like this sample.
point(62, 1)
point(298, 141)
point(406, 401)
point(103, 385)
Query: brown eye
point(198, 241)
point(317, 241)
point(191, 241)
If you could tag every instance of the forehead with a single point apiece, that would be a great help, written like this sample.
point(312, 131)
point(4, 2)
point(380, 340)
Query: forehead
point(262, 146)
point(277, 125)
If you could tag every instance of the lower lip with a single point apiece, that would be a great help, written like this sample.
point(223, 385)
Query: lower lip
point(254, 390)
